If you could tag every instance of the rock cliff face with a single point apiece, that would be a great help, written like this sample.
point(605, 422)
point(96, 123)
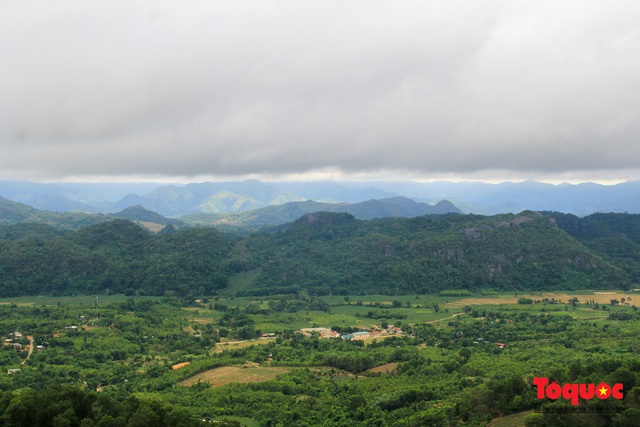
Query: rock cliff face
point(320, 253)
point(474, 233)
point(339, 254)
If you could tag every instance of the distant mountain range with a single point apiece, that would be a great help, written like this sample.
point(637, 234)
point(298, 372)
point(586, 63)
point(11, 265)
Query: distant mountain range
point(394, 207)
point(177, 200)
point(12, 212)
point(324, 250)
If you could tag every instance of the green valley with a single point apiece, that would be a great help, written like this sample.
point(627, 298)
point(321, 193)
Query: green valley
point(329, 320)
point(242, 360)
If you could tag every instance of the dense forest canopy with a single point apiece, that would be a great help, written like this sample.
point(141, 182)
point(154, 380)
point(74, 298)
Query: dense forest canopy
point(326, 253)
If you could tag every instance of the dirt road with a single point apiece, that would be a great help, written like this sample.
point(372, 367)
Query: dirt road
point(30, 349)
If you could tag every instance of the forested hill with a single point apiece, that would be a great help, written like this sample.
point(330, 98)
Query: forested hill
point(320, 253)
point(335, 253)
point(253, 220)
point(13, 212)
point(615, 236)
point(116, 257)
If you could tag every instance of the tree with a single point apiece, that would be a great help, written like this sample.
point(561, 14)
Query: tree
point(144, 417)
point(535, 420)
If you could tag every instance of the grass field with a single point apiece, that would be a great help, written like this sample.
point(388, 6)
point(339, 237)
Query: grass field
point(244, 421)
point(81, 299)
point(234, 374)
point(384, 369)
point(233, 345)
point(353, 310)
point(513, 420)
point(598, 297)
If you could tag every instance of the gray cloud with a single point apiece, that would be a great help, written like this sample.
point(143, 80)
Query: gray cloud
point(236, 88)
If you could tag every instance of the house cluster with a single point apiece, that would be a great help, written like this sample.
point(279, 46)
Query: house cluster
point(362, 334)
point(322, 332)
point(13, 339)
point(374, 332)
point(10, 341)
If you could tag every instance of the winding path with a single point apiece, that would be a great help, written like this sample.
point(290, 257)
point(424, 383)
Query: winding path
point(30, 349)
point(446, 318)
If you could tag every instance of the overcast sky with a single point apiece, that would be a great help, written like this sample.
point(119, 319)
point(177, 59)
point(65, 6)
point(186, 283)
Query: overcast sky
point(324, 89)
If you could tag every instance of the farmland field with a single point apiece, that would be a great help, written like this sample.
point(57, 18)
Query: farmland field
point(235, 374)
point(599, 297)
point(446, 365)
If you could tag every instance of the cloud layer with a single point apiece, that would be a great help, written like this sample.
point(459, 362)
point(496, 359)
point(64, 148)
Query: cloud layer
point(167, 88)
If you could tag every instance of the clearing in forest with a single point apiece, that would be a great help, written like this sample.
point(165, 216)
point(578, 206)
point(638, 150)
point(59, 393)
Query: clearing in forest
point(234, 374)
point(513, 420)
point(384, 369)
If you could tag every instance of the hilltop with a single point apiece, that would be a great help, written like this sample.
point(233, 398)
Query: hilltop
point(395, 207)
point(319, 253)
point(176, 200)
point(326, 253)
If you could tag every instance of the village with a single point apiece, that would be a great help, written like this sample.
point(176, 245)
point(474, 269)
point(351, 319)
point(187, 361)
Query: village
point(362, 334)
point(20, 343)
point(25, 345)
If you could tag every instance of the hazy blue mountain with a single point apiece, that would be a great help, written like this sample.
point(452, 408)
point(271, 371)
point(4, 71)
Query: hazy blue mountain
point(227, 201)
point(70, 197)
point(334, 192)
point(258, 218)
point(511, 197)
point(139, 213)
point(396, 207)
point(223, 197)
point(581, 199)
point(59, 203)
point(12, 212)
point(275, 215)
point(173, 200)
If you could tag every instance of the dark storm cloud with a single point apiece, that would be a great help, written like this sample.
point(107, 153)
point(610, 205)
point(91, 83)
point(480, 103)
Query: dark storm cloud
point(234, 88)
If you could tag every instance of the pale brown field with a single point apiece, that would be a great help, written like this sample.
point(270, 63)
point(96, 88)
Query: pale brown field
point(201, 320)
point(599, 297)
point(243, 344)
point(234, 374)
point(151, 226)
point(384, 369)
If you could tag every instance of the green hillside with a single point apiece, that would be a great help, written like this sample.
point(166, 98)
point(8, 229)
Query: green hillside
point(253, 220)
point(320, 253)
point(139, 213)
point(13, 212)
point(615, 236)
point(334, 253)
point(257, 218)
point(116, 256)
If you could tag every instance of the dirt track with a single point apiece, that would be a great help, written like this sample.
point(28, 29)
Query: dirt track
point(599, 297)
point(30, 349)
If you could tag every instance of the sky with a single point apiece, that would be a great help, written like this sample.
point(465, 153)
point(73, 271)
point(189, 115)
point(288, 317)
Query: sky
point(421, 90)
